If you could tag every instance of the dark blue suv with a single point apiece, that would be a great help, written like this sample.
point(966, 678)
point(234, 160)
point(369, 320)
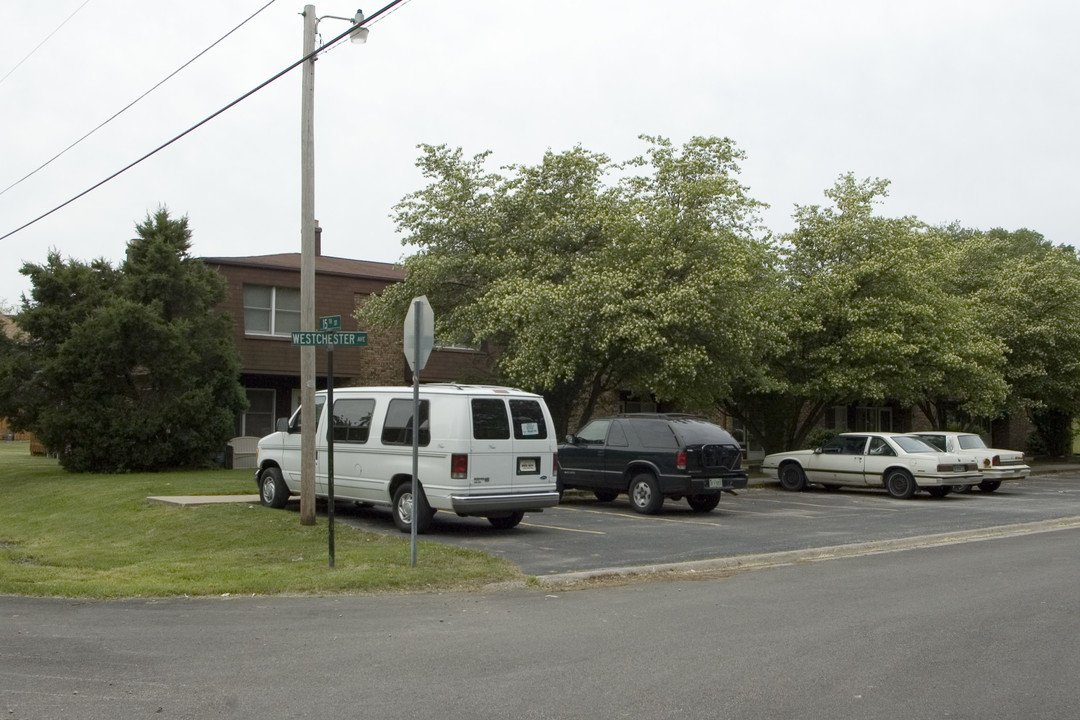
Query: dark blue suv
point(651, 457)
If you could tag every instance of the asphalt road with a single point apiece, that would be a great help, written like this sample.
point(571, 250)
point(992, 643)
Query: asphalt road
point(976, 630)
point(584, 534)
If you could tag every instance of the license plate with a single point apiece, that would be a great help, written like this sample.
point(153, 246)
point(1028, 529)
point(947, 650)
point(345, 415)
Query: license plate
point(959, 468)
point(716, 483)
point(527, 465)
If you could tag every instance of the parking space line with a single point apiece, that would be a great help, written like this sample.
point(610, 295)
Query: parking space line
point(556, 527)
point(635, 516)
point(822, 505)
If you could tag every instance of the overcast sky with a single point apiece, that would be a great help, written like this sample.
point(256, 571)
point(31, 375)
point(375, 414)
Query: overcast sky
point(969, 107)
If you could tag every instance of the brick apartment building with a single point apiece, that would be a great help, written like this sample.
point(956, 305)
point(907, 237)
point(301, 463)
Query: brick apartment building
point(264, 302)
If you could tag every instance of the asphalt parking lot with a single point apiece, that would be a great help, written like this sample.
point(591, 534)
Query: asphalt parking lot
point(584, 534)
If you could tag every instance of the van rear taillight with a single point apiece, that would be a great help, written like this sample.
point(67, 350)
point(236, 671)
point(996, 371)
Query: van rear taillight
point(680, 460)
point(459, 466)
point(555, 463)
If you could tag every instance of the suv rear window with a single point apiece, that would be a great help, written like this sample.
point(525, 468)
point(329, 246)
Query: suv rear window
point(528, 420)
point(697, 432)
point(655, 434)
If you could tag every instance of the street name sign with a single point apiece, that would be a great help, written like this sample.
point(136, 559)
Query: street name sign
point(346, 339)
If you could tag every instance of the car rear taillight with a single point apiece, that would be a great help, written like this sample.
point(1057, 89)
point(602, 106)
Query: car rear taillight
point(997, 460)
point(680, 460)
point(459, 466)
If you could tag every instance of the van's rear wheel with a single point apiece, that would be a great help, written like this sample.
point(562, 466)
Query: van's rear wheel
point(405, 510)
point(505, 522)
point(273, 492)
point(605, 495)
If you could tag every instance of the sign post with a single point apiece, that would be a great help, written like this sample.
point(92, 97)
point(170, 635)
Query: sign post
point(329, 334)
point(419, 339)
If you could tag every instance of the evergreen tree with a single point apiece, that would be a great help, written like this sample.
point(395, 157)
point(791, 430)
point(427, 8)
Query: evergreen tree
point(125, 369)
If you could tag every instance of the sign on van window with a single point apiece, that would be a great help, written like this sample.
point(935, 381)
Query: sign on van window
point(528, 420)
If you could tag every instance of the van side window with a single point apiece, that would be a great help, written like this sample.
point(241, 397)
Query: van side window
point(397, 429)
point(294, 424)
point(352, 420)
point(528, 420)
point(489, 421)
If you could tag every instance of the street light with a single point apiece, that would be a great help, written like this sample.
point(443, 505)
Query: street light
point(307, 254)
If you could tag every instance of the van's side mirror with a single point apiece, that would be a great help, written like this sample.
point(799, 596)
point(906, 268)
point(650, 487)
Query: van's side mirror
point(282, 424)
point(571, 439)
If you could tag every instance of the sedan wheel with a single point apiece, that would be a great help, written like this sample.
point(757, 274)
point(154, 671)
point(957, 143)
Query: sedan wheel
point(989, 485)
point(792, 477)
point(939, 492)
point(900, 484)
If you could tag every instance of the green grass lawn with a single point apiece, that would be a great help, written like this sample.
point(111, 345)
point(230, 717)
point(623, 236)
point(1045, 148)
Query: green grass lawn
point(85, 535)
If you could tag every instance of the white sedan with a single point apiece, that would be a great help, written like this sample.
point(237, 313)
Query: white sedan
point(995, 465)
point(901, 463)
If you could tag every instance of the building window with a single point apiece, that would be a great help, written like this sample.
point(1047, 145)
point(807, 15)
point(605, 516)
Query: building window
point(258, 420)
point(270, 310)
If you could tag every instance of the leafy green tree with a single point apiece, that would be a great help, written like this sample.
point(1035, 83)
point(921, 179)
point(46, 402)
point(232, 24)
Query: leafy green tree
point(868, 321)
point(1027, 292)
point(584, 284)
point(125, 369)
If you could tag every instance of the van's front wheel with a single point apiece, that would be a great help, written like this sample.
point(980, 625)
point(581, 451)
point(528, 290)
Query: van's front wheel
point(405, 510)
point(273, 492)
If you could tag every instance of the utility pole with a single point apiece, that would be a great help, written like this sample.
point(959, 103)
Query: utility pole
point(307, 271)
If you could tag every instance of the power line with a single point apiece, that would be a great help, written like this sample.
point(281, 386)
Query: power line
point(9, 72)
point(202, 122)
point(130, 104)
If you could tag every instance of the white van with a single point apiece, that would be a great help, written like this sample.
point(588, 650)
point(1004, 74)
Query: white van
point(484, 451)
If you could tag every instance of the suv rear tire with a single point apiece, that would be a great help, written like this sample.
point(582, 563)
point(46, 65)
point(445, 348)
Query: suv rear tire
point(703, 503)
point(644, 494)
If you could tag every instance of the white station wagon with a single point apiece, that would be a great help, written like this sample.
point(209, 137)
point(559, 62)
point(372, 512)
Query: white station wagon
point(901, 463)
point(995, 465)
